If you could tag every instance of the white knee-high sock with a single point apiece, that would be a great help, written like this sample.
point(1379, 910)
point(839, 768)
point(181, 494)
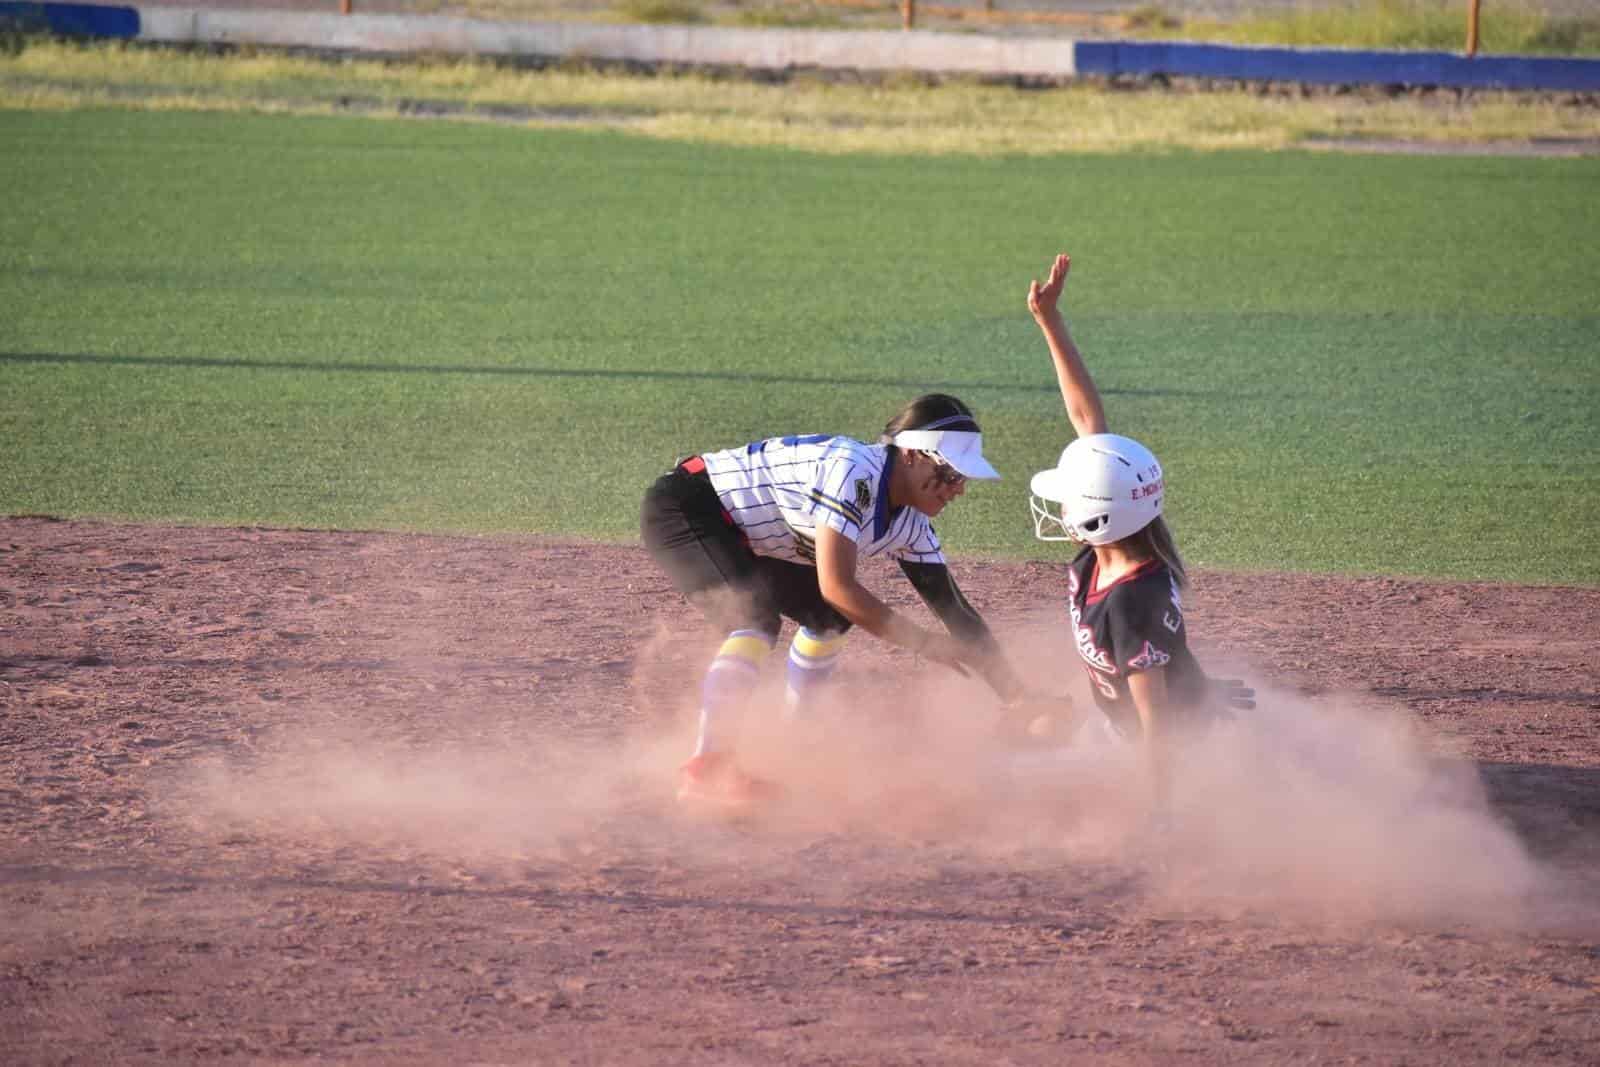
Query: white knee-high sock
point(727, 686)
point(812, 658)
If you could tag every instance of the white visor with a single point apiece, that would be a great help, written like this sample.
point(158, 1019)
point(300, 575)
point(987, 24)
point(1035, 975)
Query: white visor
point(961, 449)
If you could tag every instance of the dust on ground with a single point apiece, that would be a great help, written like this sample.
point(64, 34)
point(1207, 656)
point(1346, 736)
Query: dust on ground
point(286, 795)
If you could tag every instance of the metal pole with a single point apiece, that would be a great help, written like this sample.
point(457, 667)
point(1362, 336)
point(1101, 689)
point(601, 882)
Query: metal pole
point(1472, 27)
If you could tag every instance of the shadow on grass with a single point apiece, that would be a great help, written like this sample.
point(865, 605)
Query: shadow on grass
point(513, 371)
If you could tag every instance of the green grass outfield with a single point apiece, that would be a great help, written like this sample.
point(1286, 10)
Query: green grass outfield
point(1372, 364)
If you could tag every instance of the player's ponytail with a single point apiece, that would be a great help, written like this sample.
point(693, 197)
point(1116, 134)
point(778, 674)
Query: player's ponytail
point(928, 411)
point(1156, 540)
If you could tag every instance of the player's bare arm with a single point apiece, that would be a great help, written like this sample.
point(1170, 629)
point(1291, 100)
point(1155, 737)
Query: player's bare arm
point(1149, 691)
point(836, 575)
point(1078, 391)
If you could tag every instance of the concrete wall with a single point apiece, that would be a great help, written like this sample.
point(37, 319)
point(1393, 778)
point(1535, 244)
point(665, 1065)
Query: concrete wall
point(769, 49)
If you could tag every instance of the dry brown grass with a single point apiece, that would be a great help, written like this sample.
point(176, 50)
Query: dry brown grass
point(892, 115)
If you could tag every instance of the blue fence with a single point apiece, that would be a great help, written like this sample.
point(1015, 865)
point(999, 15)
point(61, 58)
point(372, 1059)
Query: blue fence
point(71, 20)
point(1336, 66)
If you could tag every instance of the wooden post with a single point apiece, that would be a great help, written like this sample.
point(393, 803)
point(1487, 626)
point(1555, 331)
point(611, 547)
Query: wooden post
point(344, 7)
point(908, 14)
point(1472, 28)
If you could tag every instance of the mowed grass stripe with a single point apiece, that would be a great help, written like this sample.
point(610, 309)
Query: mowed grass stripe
point(1366, 364)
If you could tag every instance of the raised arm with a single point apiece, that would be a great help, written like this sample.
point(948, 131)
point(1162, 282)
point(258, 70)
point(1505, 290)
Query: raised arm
point(1077, 388)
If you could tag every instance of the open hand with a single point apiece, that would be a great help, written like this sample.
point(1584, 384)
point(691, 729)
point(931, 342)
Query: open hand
point(1233, 694)
point(1043, 299)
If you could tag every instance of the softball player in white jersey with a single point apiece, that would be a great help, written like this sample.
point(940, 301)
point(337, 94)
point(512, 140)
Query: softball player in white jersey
point(774, 528)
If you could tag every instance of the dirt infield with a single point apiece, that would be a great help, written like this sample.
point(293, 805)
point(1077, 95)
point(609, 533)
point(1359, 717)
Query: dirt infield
point(302, 795)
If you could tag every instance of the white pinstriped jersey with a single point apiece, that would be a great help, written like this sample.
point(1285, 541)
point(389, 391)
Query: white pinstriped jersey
point(780, 490)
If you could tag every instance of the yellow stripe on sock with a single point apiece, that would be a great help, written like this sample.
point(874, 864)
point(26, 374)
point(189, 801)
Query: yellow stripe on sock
point(750, 649)
point(807, 645)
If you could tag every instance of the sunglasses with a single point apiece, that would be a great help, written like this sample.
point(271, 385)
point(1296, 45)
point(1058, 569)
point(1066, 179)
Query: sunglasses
point(946, 474)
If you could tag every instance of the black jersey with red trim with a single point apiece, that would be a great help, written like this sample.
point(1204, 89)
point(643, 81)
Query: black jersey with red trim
point(1131, 625)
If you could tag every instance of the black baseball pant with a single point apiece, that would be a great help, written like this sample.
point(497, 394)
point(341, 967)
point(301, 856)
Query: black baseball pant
point(709, 560)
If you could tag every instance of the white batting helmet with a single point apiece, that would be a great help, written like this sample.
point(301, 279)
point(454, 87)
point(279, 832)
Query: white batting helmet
point(1105, 488)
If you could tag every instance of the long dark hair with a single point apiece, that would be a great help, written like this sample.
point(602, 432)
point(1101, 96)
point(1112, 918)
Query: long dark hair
point(1155, 541)
point(923, 412)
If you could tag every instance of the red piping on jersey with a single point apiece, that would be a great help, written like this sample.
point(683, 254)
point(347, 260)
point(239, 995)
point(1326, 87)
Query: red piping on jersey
point(693, 465)
point(1096, 595)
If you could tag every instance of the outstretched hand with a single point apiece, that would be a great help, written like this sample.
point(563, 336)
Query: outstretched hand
point(1233, 694)
point(1043, 299)
point(1037, 719)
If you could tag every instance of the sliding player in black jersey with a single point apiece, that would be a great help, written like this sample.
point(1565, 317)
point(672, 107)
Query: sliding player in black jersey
point(1125, 586)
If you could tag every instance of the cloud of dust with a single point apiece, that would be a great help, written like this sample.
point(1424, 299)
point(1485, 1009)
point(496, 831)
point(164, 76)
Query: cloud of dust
point(1331, 807)
point(464, 800)
point(482, 790)
point(1320, 807)
point(1327, 807)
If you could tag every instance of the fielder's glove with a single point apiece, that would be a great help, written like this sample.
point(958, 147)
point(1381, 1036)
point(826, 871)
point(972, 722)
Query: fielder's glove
point(1037, 719)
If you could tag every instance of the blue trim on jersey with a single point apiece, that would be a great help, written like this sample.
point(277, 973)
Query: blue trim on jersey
point(880, 511)
point(756, 447)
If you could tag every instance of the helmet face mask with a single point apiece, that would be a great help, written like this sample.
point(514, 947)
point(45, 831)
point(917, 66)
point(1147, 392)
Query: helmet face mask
point(1048, 525)
point(1105, 488)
